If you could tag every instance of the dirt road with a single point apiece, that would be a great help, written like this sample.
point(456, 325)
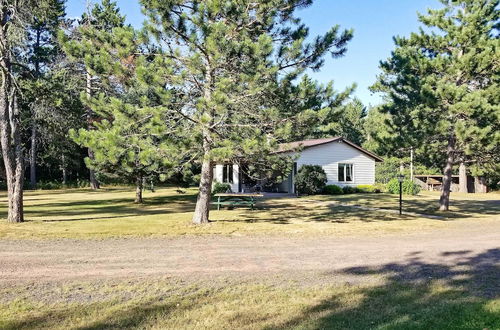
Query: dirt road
point(55, 260)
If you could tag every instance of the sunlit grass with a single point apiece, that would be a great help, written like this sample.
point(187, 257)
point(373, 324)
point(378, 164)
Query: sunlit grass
point(78, 213)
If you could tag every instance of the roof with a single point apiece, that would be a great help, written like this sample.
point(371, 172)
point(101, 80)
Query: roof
point(304, 144)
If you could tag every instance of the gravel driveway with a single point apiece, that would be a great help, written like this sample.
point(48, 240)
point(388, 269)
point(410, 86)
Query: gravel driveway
point(60, 260)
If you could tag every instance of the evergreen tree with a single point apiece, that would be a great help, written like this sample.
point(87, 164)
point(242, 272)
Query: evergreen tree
point(85, 50)
point(442, 87)
point(228, 59)
point(346, 121)
point(132, 140)
point(40, 51)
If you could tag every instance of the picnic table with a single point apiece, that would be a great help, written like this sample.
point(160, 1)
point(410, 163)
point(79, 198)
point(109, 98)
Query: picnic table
point(236, 199)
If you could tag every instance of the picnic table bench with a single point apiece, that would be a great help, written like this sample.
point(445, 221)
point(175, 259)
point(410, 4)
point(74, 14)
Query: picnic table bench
point(236, 199)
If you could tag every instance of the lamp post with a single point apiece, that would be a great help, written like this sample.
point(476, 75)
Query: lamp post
point(401, 178)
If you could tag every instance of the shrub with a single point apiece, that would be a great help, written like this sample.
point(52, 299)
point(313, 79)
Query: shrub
point(220, 188)
point(350, 190)
point(409, 187)
point(332, 189)
point(310, 180)
point(366, 188)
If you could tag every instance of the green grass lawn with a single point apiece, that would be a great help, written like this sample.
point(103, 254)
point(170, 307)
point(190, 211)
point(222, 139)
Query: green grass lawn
point(82, 213)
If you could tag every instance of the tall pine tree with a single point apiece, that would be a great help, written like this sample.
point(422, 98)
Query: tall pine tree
point(81, 46)
point(228, 58)
point(442, 87)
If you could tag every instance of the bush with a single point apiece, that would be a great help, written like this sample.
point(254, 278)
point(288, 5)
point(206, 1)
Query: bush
point(409, 187)
point(366, 188)
point(332, 189)
point(220, 188)
point(310, 180)
point(350, 190)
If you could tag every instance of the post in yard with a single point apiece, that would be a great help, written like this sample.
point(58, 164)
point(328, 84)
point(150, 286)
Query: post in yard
point(401, 178)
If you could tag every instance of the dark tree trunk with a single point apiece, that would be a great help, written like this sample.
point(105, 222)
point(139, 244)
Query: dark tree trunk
point(94, 183)
point(462, 177)
point(444, 200)
point(33, 157)
point(138, 190)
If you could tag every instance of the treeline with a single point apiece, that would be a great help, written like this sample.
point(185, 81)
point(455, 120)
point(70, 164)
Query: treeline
point(201, 82)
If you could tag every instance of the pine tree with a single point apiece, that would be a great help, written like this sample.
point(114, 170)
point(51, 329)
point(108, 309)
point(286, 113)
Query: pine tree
point(442, 87)
point(40, 50)
point(81, 46)
point(132, 140)
point(228, 58)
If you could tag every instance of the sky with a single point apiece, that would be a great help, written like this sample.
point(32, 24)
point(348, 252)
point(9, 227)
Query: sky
point(375, 22)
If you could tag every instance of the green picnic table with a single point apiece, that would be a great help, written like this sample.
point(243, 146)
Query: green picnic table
point(236, 199)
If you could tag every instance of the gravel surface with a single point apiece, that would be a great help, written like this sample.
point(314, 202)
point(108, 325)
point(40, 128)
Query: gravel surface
point(63, 260)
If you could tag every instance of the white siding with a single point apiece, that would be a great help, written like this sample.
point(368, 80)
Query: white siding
point(329, 155)
point(218, 176)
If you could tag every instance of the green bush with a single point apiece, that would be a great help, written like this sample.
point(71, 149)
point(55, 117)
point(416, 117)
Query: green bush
point(220, 188)
point(310, 180)
point(332, 189)
point(366, 188)
point(409, 187)
point(350, 190)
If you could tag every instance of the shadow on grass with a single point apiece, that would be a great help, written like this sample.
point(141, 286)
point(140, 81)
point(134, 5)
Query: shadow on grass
point(90, 209)
point(287, 213)
point(457, 294)
point(417, 295)
point(427, 204)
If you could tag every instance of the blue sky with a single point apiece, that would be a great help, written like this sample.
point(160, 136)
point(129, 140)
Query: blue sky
point(375, 22)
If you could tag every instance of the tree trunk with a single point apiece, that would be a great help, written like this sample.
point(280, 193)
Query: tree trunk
point(64, 170)
point(94, 184)
point(202, 210)
point(33, 157)
point(462, 177)
point(444, 200)
point(138, 190)
point(12, 151)
point(480, 185)
point(10, 135)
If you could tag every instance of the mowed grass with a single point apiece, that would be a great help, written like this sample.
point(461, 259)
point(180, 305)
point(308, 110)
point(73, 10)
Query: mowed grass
point(110, 212)
point(168, 304)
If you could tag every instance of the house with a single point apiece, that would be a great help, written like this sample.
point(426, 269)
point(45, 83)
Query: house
point(345, 164)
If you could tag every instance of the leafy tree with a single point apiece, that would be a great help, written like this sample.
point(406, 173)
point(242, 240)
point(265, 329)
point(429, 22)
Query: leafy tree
point(442, 87)
point(229, 59)
point(84, 49)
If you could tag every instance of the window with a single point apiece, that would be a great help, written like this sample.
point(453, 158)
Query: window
point(227, 173)
point(346, 173)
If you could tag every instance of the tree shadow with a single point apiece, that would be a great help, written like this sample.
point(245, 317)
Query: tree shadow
point(427, 204)
point(288, 213)
point(415, 295)
point(108, 208)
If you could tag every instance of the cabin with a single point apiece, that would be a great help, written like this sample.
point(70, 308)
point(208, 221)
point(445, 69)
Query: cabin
point(344, 162)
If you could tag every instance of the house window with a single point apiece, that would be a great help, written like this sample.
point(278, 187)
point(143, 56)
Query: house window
point(346, 173)
point(227, 173)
